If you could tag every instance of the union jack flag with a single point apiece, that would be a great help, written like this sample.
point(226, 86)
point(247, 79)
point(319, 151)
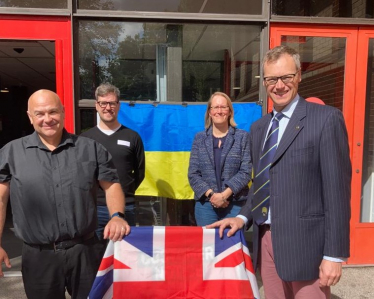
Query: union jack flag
point(174, 263)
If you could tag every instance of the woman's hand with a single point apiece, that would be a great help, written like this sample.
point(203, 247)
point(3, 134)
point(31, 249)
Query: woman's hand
point(218, 200)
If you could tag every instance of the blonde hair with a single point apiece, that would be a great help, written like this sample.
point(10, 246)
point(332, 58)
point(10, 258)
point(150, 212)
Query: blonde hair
point(274, 54)
point(208, 120)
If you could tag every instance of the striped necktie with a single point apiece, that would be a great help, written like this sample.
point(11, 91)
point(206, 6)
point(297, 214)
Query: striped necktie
point(261, 199)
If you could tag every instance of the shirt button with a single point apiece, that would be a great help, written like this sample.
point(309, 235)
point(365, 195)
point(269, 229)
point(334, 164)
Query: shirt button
point(62, 224)
point(57, 185)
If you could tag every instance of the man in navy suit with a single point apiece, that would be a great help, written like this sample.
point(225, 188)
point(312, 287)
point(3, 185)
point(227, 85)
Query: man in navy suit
point(300, 245)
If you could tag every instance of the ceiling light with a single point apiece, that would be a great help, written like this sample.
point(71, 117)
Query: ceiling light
point(19, 50)
point(4, 90)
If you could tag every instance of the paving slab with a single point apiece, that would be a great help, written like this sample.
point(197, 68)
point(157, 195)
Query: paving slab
point(356, 283)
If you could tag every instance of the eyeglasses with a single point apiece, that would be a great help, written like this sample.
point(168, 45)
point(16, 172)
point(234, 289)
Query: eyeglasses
point(285, 79)
point(216, 108)
point(103, 104)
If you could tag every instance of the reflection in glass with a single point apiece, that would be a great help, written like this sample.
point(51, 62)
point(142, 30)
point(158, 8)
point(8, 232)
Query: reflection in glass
point(250, 7)
point(367, 205)
point(324, 8)
point(322, 67)
point(169, 62)
point(34, 3)
point(87, 118)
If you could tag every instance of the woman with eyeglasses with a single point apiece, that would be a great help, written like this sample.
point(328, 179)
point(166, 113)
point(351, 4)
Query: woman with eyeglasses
point(220, 164)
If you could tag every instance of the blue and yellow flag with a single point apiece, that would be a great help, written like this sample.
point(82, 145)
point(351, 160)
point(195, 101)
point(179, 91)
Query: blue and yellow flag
point(167, 131)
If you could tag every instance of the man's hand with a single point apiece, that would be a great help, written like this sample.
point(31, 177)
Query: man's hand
point(329, 273)
point(116, 229)
point(235, 223)
point(4, 258)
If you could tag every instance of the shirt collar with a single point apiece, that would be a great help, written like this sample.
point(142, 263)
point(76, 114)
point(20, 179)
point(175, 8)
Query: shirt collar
point(109, 132)
point(290, 108)
point(66, 138)
point(35, 141)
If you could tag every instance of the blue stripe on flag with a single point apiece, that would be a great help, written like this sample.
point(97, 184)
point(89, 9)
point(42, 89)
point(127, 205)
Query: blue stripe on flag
point(101, 285)
point(172, 128)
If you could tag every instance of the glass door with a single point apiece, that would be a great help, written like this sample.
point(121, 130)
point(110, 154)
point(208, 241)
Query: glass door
point(337, 67)
point(324, 52)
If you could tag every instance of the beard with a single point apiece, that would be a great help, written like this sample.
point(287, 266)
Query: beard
point(109, 118)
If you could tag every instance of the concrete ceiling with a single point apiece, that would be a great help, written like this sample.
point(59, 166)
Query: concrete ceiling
point(27, 63)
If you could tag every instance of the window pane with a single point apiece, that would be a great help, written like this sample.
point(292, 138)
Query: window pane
point(367, 206)
point(253, 7)
point(34, 3)
point(324, 8)
point(88, 119)
point(322, 67)
point(169, 62)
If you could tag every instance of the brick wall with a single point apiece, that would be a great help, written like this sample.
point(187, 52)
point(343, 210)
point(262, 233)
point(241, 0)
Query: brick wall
point(322, 68)
point(326, 83)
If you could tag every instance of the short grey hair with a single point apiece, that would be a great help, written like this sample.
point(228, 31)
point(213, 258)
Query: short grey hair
point(106, 88)
point(274, 54)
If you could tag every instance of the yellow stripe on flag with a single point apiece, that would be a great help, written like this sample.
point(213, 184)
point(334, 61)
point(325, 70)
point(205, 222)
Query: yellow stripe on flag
point(166, 175)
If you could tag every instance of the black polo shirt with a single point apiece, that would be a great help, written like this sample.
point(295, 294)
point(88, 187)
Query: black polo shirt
point(53, 193)
point(127, 150)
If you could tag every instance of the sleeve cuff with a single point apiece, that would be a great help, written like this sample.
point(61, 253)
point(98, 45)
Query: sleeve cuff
point(245, 219)
point(335, 259)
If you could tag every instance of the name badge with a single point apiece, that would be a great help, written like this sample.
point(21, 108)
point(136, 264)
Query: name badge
point(123, 142)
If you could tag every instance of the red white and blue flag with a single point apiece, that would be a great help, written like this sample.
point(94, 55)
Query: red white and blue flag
point(176, 262)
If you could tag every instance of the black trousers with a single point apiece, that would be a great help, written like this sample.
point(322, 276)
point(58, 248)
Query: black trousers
point(48, 274)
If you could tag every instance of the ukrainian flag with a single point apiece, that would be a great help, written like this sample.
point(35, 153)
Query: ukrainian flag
point(167, 131)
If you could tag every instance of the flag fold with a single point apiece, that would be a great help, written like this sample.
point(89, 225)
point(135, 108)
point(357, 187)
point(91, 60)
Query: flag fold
point(176, 262)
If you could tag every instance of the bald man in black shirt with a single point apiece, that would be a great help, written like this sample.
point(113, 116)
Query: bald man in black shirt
point(52, 177)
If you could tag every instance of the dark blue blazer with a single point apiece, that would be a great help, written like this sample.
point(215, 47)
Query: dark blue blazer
point(310, 189)
point(236, 167)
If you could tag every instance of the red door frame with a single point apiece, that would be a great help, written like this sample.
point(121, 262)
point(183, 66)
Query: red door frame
point(363, 232)
point(57, 29)
point(362, 244)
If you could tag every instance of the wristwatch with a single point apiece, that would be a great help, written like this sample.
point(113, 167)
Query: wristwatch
point(210, 194)
point(118, 214)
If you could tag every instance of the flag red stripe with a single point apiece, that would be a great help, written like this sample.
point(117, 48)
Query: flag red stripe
point(232, 260)
point(106, 263)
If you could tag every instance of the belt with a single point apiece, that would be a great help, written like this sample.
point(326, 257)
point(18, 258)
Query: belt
point(65, 244)
point(265, 227)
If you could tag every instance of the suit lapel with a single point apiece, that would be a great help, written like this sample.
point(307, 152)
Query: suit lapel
point(293, 128)
point(209, 145)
